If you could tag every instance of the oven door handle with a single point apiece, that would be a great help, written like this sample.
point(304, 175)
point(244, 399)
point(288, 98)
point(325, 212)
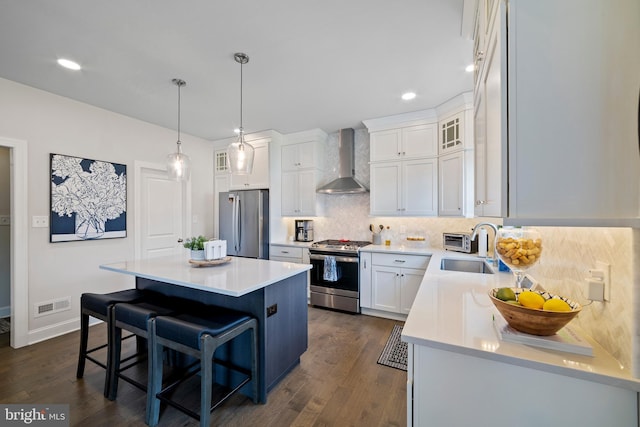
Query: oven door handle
point(338, 258)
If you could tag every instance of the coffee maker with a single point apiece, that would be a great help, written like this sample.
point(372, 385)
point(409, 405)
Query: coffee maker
point(304, 230)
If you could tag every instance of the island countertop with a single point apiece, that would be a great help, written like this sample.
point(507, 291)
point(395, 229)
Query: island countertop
point(235, 278)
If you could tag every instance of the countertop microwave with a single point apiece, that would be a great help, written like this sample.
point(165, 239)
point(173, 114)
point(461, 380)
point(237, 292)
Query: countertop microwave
point(459, 242)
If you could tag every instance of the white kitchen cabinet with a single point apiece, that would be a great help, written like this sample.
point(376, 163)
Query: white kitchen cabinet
point(298, 156)
point(395, 279)
point(259, 177)
point(451, 135)
point(490, 120)
point(287, 253)
point(407, 187)
point(301, 172)
point(404, 143)
point(571, 135)
point(365, 279)
point(477, 384)
point(298, 192)
point(295, 254)
point(455, 180)
point(450, 169)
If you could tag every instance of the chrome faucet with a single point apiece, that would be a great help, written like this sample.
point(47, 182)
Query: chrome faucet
point(495, 231)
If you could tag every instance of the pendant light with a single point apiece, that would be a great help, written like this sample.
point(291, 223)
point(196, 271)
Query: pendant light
point(179, 164)
point(240, 153)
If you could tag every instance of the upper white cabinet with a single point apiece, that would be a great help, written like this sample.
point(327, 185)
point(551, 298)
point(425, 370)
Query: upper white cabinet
point(302, 155)
point(562, 109)
point(455, 162)
point(259, 177)
point(404, 165)
point(404, 143)
point(404, 188)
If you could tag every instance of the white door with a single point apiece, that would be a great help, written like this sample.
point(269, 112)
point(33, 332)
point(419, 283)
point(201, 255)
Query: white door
point(162, 207)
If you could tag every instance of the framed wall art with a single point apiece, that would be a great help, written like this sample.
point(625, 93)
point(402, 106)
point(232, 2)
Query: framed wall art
point(88, 199)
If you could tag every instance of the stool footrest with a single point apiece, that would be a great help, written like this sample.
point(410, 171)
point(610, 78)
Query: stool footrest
point(161, 396)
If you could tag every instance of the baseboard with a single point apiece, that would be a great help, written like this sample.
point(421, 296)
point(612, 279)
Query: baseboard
point(385, 314)
point(52, 331)
point(5, 311)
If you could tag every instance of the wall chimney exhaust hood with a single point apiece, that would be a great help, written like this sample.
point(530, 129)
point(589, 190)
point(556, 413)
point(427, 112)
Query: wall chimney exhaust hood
point(346, 183)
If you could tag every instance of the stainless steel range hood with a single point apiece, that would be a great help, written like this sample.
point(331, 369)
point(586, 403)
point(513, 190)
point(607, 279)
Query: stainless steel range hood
point(346, 183)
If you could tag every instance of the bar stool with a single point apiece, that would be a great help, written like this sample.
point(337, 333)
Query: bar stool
point(99, 306)
point(198, 335)
point(133, 318)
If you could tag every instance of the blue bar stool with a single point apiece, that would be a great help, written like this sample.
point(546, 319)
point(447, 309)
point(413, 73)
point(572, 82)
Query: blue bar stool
point(133, 318)
point(198, 335)
point(99, 306)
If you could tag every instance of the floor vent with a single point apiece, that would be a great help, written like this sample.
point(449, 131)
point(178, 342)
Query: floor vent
point(54, 306)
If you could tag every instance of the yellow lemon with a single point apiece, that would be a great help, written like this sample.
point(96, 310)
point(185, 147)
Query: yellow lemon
point(531, 300)
point(555, 304)
point(506, 294)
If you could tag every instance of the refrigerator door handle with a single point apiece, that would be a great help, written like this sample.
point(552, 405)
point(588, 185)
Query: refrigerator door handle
point(239, 226)
point(234, 223)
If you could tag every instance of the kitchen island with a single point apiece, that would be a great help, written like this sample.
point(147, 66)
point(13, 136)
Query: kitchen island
point(274, 292)
point(461, 373)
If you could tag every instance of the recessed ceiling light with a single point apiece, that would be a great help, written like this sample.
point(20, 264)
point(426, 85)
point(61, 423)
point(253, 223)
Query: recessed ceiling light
point(469, 68)
point(408, 96)
point(67, 63)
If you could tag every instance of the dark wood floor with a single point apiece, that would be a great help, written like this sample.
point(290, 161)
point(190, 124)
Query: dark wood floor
point(338, 382)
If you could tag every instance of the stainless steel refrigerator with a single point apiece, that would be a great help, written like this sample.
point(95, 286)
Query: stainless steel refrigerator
point(244, 223)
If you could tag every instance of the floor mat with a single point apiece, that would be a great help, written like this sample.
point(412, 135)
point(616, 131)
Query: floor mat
point(394, 353)
point(5, 325)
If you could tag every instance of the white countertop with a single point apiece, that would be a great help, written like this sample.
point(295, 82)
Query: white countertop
point(238, 277)
point(452, 311)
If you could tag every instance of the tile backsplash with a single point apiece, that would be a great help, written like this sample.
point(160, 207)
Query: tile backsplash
point(568, 254)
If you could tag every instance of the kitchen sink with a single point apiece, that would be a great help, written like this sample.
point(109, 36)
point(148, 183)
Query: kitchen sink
point(466, 265)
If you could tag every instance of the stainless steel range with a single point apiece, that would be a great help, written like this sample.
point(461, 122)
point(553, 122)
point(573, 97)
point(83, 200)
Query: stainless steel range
point(334, 276)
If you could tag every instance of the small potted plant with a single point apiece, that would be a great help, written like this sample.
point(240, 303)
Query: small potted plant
point(196, 245)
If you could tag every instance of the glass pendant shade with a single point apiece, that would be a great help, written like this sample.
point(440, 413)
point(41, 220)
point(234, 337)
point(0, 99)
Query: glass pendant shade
point(239, 153)
point(240, 156)
point(179, 166)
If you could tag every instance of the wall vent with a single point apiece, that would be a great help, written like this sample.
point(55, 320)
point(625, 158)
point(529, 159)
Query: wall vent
point(54, 306)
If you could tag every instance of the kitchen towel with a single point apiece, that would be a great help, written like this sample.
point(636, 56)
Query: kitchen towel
point(330, 270)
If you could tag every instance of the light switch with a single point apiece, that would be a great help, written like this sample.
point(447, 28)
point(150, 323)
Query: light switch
point(39, 221)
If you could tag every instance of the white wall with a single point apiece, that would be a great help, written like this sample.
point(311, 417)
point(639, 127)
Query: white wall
point(5, 234)
point(54, 124)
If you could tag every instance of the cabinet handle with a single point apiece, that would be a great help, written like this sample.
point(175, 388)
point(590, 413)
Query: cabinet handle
point(404, 154)
point(285, 252)
point(364, 264)
point(400, 260)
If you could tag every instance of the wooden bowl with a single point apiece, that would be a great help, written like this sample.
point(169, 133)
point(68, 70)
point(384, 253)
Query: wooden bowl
point(531, 320)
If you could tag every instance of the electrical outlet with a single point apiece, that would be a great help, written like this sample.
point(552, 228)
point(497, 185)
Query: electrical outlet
point(606, 278)
point(39, 221)
point(272, 309)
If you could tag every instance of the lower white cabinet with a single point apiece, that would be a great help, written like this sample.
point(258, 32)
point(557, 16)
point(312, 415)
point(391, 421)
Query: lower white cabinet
point(289, 254)
point(285, 253)
point(493, 393)
point(395, 279)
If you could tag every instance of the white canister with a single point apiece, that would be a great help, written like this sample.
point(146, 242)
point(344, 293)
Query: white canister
point(215, 249)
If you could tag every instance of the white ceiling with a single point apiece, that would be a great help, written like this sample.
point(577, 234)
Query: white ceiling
point(325, 64)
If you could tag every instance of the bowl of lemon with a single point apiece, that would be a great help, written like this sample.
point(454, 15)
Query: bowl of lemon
point(534, 312)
